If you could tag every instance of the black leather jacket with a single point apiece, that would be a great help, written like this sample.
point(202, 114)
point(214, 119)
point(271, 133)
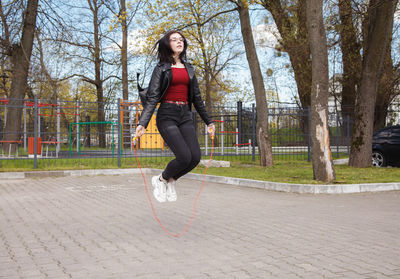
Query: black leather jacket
point(159, 83)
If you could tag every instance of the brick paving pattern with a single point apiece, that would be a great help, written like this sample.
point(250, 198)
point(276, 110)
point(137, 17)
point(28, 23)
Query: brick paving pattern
point(103, 227)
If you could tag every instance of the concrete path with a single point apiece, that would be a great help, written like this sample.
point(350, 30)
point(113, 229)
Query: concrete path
point(103, 227)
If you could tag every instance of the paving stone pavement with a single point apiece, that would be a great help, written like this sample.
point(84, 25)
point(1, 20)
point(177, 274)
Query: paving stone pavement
point(103, 227)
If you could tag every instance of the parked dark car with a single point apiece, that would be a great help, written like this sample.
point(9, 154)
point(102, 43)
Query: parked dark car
point(386, 147)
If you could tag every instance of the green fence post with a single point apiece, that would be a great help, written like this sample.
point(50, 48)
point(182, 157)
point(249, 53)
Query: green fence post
point(309, 134)
point(113, 144)
point(253, 131)
point(79, 139)
point(69, 128)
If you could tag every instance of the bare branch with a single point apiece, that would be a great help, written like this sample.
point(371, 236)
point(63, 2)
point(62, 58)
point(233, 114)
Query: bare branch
point(88, 46)
point(206, 21)
point(6, 41)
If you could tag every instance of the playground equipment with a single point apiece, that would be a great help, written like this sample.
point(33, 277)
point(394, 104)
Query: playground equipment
point(151, 139)
point(40, 106)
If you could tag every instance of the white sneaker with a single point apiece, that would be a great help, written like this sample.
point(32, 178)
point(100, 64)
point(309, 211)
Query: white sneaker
point(171, 193)
point(160, 189)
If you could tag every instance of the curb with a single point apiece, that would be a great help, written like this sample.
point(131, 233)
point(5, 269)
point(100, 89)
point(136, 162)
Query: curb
point(265, 185)
point(299, 188)
point(42, 174)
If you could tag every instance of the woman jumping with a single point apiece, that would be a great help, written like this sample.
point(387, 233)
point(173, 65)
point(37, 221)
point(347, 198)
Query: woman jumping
point(174, 85)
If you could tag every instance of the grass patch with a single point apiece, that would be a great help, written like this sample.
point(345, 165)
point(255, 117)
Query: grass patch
point(81, 164)
point(285, 171)
point(301, 172)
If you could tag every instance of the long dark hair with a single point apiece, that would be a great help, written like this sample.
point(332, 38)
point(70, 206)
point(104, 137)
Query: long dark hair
point(164, 52)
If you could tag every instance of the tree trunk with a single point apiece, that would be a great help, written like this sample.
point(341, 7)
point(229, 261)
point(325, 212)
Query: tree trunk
point(386, 90)
point(351, 59)
point(264, 144)
point(379, 30)
point(320, 148)
point(20, 58)
point(97, 67)
point(124, 63)
point(124, 51)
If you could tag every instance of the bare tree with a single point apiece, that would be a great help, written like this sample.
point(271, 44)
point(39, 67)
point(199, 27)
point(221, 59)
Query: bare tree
point(320, 148)
point(264, 143)
point(123, 18)
point(94, 6)
point(378, 32)
point(86, 42)
point(124, 50)
point(20, 54)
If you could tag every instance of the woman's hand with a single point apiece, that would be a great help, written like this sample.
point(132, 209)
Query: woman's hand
point(211, 130)
point(140, 131)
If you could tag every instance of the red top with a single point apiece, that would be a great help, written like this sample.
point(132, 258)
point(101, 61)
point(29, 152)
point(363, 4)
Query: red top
point(179, 86)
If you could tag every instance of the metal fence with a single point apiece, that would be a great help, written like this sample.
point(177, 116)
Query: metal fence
point(59, 133)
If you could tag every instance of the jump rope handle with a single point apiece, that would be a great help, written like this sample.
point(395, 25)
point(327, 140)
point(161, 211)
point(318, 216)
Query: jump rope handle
point(210, 130)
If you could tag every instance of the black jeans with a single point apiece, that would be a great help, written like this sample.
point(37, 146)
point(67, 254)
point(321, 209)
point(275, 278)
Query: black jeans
point(175, 124)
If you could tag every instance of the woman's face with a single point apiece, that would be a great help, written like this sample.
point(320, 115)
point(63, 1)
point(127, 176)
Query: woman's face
point(177, 43)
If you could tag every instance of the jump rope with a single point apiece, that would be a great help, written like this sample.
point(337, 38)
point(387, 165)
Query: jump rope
point(195, 201)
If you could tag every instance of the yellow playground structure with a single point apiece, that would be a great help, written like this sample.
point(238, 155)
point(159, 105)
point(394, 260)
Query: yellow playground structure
point(129, 115)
